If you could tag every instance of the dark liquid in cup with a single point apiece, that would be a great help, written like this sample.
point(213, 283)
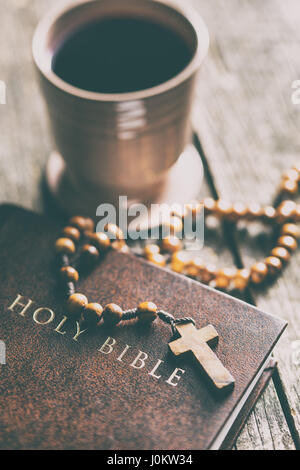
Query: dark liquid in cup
point(121, 55)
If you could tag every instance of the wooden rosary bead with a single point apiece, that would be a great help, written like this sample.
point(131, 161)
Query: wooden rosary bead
point(124, 249)
point(286, 211)
point(65, 246)
point(195, 267)
point(291, 174)
point(269, 214)
point(114, 232)
point(92, 313)
point(76, 303)
point(259, 272)
point(281, 253)
point(208, 273)
point(118, 245)
point(157, 259)
point(72, 233)
point(241, 279)
point(151, 249)
point(89, 255)
point(179, 261)
point(288, 242)
point(69, 274)
point(112, 314)
point(89, 224)
point(291, 229)
point(274, 265)
point(223, 278)
point(82, 223)
point(116, 236)
point(209, 205)
point(147, 312)
point(171, 244)
point(289, 186)
point(254, 211)
point(100, 240)
point(229, 273)
point(239, 210)
point(220, 282)
point(223, 208)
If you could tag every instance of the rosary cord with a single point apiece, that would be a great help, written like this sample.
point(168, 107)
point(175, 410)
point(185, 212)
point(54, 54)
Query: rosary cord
point(130, 314)
point(171, 320)
point(163, 315)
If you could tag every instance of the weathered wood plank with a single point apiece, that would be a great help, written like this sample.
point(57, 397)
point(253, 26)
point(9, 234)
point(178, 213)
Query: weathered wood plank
point(24, 135)
point(266, 427)
point(248, 128)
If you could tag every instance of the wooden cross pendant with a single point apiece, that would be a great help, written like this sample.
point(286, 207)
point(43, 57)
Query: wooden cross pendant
point(198, 342)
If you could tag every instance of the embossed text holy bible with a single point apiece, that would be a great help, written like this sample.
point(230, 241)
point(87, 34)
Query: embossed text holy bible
point(64, 387)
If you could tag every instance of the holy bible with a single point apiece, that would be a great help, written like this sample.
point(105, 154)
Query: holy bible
point(121, 388)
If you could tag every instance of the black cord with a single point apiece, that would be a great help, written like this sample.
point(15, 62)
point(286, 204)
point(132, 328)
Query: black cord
point(130, 314)
point(163, 315)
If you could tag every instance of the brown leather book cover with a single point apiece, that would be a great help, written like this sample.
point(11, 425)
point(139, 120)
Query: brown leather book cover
point(59, 390)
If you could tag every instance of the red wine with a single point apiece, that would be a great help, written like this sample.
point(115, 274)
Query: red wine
point(118, 55)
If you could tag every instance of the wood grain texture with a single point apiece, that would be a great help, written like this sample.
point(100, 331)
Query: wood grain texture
point(248, 128)
point(266, 427)
point(199, 343)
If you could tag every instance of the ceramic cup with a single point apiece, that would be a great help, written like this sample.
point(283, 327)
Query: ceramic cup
point(132, 144)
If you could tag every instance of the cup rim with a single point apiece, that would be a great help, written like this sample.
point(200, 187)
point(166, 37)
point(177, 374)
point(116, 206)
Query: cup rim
point(187, 11)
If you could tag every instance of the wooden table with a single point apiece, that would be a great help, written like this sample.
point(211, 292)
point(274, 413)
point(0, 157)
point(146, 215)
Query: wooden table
point(248, 129)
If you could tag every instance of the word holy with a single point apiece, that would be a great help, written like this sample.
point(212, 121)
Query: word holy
point(45, 316)
point(156, 216)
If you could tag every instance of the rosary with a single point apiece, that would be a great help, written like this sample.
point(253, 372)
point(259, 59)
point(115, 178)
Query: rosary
point(81, 230)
